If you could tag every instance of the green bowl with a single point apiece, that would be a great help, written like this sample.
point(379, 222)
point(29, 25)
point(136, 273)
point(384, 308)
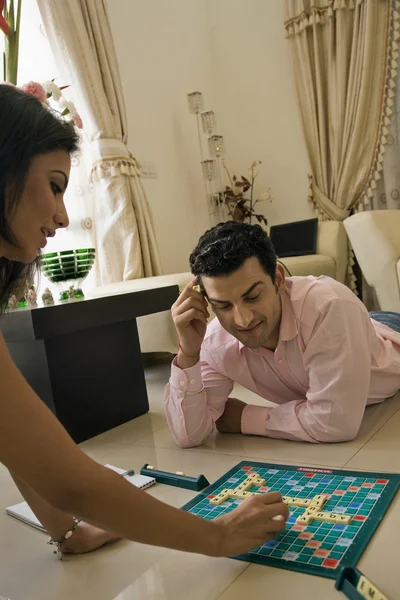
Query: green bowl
point(68, 268)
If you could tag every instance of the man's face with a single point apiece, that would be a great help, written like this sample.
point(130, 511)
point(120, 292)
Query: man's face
point(247, 303)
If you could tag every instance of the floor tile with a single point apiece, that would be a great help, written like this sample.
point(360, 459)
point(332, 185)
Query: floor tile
point(183, 576)
point(381, 452)
point(335, 455)
point(125, 434)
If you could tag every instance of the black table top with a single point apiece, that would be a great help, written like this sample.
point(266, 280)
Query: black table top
point(68, 316)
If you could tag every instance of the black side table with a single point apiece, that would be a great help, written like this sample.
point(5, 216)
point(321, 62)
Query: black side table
point(83, 357)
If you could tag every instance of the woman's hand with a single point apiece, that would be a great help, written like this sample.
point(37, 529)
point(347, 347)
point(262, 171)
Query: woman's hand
point(256, 521)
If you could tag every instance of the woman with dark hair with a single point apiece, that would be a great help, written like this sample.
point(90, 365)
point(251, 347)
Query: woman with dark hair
point(59, 482)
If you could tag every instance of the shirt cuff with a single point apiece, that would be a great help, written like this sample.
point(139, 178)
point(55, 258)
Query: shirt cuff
point(186, 380)
point(254, 419)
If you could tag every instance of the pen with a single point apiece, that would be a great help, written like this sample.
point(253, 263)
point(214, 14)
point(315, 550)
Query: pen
point(128, 473)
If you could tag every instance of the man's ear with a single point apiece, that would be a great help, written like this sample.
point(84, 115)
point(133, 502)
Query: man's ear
point(279, 277)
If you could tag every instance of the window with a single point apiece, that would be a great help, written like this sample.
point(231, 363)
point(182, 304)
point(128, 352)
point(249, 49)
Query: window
point(36, 63)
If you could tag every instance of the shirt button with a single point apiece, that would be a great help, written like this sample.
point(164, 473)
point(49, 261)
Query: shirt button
point(280, 361)
point(182, 383)
point(192, 381)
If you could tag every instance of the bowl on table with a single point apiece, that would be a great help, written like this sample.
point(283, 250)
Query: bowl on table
point(68, 269)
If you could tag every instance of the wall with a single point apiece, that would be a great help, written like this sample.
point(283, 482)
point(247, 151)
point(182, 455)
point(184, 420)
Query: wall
point(163, 53)
point(256, 101)
point(234, 51)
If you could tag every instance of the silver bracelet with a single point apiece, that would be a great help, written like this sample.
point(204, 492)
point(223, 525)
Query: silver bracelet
point(59, 543)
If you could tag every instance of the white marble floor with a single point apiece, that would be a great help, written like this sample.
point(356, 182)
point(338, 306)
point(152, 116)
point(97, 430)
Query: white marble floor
point(128, 571)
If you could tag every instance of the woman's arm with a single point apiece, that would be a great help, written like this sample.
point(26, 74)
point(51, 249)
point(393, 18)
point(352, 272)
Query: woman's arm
point(86, 537)
point(56, 523)
point(38, 450)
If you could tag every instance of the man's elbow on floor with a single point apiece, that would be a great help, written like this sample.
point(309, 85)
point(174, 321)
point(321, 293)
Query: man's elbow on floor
point(331, 436)
point(184, 444)
point(184, 441)
point(188, 442)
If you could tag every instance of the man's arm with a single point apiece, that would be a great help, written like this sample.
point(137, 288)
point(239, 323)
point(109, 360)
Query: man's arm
point(195, 399)
point(338, 361)
point(231, 419)
point(197, 393)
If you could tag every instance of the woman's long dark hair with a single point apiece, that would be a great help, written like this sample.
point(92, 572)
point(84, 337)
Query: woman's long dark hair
point(27, 129)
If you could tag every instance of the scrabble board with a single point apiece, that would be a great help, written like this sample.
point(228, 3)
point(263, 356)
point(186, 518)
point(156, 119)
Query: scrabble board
point(343, 510)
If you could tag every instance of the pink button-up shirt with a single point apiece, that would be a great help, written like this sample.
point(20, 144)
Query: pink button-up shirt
point(331, 361)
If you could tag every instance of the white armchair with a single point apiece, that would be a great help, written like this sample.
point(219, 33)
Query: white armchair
point(330, 257)
point(375, 237)
point(157, 332)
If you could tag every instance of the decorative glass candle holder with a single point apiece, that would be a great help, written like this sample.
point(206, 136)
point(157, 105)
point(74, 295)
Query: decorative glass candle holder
point(209, 169)
point(195, 102)
point(68, 269)
point(216, 145)
point(208, 120)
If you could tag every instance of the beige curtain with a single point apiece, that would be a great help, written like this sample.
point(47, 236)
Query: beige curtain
point(345, 60)
point(80, 37)
point(387, 194)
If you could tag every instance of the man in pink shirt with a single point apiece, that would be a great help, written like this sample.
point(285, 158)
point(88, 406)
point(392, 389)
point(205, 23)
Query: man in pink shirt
point(307, 344)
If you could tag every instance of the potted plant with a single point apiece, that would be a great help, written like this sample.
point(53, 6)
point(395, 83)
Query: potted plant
point(239, 197)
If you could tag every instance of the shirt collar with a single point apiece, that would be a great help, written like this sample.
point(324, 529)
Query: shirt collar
point(288, 328)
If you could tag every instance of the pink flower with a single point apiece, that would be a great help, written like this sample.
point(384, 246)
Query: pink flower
point(77, 121)
point(4, 25)
point(34, 89)
point(3, 22)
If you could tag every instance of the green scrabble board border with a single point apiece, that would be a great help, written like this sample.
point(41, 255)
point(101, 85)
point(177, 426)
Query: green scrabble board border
point(362, 539)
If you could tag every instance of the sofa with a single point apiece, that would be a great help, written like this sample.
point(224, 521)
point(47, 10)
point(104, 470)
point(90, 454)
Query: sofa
point(375, 238)
point(330, 257)
point(157, 332)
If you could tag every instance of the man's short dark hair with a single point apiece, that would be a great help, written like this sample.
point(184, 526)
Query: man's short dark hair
point(224, 248)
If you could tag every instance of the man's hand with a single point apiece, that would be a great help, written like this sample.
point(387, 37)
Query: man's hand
point(230, 421)
point(190, 315)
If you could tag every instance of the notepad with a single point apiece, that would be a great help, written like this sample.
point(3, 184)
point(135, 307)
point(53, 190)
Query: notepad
point(140, 481)
point(22, 511)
